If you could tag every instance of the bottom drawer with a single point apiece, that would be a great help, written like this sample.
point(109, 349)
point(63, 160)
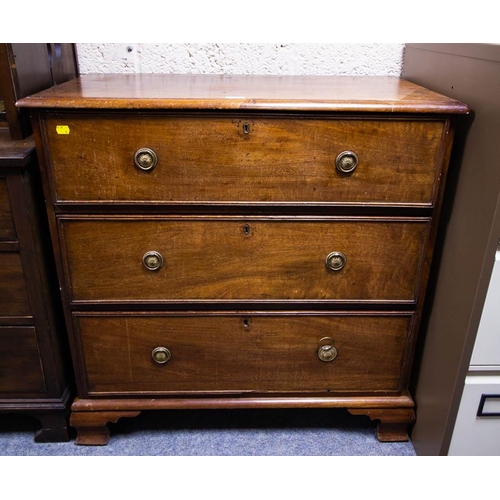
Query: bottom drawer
point(20, 368)
point(477, 427)
point(237, 353)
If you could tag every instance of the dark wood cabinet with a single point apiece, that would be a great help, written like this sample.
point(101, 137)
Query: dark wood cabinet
point(242, 242)
point(35, 373)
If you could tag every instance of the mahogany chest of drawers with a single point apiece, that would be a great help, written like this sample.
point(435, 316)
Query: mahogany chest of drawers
point(242, 242)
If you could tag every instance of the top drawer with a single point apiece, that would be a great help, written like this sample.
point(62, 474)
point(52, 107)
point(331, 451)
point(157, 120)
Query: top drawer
point(203, 158)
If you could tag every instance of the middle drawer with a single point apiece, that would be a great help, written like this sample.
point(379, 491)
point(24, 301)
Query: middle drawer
point(161, 259)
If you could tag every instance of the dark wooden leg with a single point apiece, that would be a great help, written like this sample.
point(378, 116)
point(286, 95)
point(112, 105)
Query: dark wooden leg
point(393, 422)
point(91, 426)
point(54, 426)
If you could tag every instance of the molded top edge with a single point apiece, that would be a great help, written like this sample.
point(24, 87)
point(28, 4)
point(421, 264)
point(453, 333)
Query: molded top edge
point(244, 92)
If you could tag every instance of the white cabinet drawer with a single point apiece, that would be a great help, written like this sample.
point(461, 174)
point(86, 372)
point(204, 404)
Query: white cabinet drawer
point(477, 428)
point(487, 346)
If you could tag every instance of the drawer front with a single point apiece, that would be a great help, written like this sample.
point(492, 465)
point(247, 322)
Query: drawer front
point(20, 368)
point(13, 294)
point(7, 230)
point(238, 159)
point(486, 353)
point(244, 259)
point(477, 426)
point(236, 353)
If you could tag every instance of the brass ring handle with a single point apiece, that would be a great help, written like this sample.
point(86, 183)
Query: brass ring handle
point(335, 261)
point(146, 159)
point(346, 162)
point(326, 350)
point(161, 355)
point(152, 260)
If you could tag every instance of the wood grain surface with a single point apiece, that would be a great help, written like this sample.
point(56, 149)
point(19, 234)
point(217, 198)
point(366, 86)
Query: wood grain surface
point(15, 153)
point(7, 229)
point(240, 354)
point(212, 158)
point(20, 369)
point(13, 293)
point(306, 93)
point(214, 259)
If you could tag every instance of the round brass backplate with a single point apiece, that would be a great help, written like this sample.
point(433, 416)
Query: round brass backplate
point(326, 350)
point(152, 260)
point(161, 355)
point(346, 162)
point(146, 159)
point(335, 261)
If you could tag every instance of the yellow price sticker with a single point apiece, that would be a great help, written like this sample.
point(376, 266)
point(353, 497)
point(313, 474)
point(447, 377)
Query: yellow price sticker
point(62, 129)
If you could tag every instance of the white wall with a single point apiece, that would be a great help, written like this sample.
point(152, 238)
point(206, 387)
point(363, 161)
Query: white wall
point(372, 59)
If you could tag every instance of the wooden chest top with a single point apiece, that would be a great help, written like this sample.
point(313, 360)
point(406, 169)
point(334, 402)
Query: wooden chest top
point(299, 93)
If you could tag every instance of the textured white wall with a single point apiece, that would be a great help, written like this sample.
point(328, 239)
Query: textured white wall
point(372, 59)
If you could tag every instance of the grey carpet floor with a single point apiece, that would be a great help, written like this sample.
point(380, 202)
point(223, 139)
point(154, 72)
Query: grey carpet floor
point(302, 432)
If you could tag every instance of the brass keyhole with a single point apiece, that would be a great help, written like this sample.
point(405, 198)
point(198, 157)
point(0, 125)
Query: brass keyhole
point(246, 128)
point(246, 229)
